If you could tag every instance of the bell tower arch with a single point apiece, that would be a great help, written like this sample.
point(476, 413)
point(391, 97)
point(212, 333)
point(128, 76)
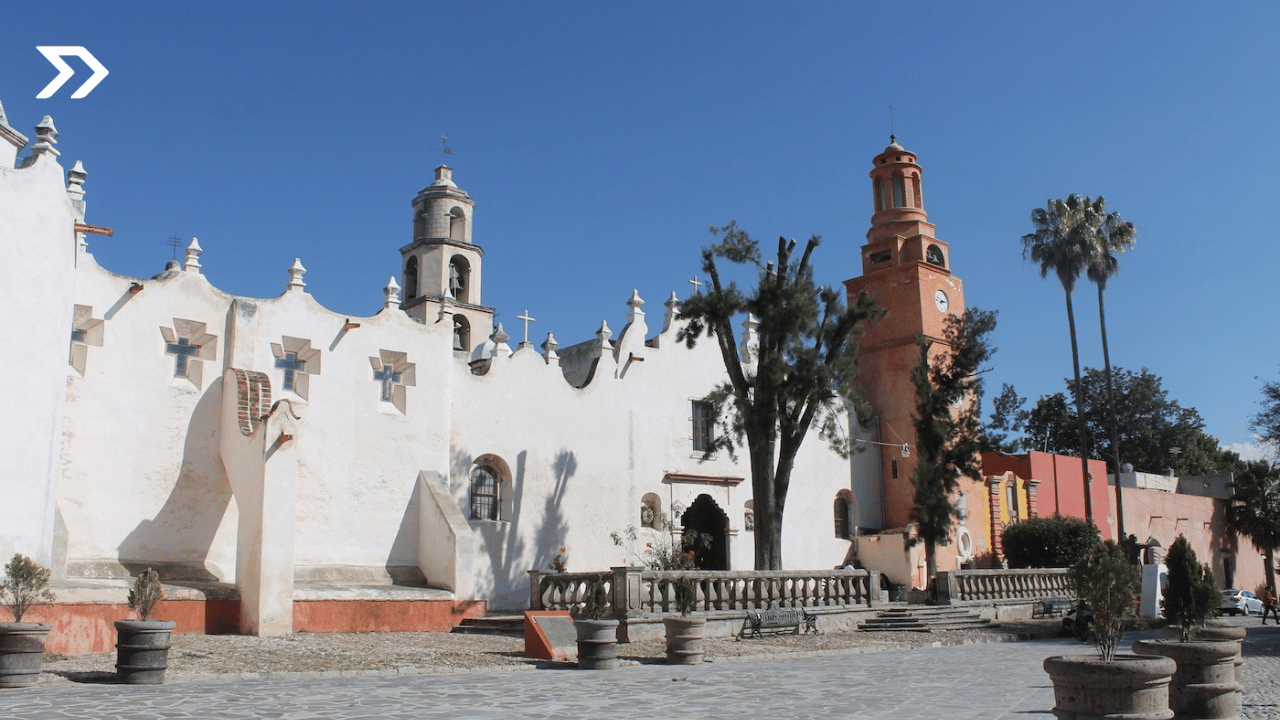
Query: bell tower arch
point(442, 266)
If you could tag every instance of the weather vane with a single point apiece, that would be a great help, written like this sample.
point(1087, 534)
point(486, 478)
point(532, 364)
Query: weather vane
point(445, 149)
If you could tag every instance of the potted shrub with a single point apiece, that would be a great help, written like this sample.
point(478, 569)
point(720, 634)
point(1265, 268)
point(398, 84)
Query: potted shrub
point(142, 645)
point(26, 583)
point(597, 632)
point(685, 633)
point(1108, 684)
point(1205, 684)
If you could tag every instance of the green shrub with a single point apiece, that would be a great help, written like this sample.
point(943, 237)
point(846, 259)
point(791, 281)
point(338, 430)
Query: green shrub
point(686, 596)
point(1191, 596)
point(26, 583)
point(1106, 583)
point(1052, 542)
point(596, 603)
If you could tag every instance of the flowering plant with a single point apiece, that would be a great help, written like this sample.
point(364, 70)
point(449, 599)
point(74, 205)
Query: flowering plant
point(558, 562)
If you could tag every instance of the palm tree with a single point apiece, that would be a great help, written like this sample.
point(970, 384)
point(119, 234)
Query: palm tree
point(1062, 242)
point(1255, 511)
point(1113, 236)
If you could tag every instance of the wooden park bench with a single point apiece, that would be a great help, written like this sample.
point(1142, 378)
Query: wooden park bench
point(778, 619)
point(1053, 606)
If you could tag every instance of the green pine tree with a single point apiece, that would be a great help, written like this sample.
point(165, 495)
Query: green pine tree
point(1191, 596)
point(947, 424)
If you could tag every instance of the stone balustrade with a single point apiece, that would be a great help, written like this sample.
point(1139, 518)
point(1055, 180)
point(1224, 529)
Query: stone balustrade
point(993, 586)
point(562, 591)
point(638, 591)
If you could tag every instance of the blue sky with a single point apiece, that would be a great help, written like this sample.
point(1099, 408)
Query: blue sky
point(601, 140)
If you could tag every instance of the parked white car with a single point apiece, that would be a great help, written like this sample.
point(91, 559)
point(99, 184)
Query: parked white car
point(1240, 602)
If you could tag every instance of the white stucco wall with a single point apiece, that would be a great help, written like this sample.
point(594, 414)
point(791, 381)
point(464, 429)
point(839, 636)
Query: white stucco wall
point(37, 266)
point(137, 464)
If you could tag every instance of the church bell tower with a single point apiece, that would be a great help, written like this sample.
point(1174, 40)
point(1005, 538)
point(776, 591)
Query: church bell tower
point(441, 267)
point(906, 269)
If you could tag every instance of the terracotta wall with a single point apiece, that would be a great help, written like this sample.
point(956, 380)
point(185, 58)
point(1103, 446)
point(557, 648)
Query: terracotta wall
point(1166, 515)
point(85, 628)
point(1061, 489)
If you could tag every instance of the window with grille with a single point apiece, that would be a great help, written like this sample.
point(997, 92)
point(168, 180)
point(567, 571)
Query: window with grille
point(704, 424)
point(484, 494)
point(842, 517)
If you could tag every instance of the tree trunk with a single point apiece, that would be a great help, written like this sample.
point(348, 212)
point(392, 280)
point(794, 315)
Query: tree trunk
point(1269, 558)
point(1111, 415)
point(930, 569)
point(768, 532)
point(1084, 449)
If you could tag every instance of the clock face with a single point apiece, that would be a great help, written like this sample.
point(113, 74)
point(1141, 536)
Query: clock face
point(940, 299)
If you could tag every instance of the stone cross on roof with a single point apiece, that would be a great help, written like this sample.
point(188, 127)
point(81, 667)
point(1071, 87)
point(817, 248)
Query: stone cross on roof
point(525, 317)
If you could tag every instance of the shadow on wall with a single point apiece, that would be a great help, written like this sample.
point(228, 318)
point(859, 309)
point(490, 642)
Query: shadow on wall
point(508, 544)
point(180, 536)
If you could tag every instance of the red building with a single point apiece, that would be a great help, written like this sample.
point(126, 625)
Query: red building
point(1060, 489)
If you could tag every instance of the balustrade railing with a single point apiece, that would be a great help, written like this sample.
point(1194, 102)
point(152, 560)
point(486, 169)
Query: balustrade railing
point(563, 591)
point(998, 585)
point(636, 590)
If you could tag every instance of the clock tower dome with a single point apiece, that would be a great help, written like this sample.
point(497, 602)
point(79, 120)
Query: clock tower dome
point(906, 269)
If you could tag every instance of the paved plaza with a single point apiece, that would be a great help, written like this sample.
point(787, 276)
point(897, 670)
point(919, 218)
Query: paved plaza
point(988, 681)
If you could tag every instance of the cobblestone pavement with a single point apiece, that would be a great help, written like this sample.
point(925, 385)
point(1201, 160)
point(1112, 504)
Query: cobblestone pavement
point(988, 681)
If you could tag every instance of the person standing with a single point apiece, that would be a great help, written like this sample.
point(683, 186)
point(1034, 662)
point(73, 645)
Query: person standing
point(1269, 605)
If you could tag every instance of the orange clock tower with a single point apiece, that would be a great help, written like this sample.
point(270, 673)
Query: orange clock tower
point(906, 269)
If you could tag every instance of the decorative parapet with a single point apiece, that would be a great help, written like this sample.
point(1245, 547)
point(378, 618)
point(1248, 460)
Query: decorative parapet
point(639, 591)
point(994, 586)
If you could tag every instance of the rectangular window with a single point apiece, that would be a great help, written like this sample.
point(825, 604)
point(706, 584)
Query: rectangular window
point(704, 424)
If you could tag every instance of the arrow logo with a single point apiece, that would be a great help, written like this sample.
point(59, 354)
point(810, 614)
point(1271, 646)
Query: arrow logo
point(54, 53)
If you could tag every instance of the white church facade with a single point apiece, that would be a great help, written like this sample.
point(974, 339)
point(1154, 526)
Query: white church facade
point(282, 448)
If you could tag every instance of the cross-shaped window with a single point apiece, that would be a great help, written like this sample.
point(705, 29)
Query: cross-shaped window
point(190, 346)
point(389, 377)
point(291, 365)
point(182, 351)
point(299, 361)
point(394, 373)
point(86, 330)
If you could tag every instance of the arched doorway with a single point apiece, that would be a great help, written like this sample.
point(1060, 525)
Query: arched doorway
point(705, 516)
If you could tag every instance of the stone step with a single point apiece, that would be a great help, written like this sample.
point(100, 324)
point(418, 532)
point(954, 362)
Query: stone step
point(508, 625)
point(924, 619)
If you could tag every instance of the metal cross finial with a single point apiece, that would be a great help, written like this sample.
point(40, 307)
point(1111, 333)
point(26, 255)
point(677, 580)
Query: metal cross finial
point(891, 129)
point(697, 284)
point(445, 149)
point(525, 317)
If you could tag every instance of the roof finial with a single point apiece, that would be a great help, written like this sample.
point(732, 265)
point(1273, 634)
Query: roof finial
point(193, 257)
point(46, 138)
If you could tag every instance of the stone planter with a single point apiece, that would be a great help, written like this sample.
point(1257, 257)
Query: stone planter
point(597, 644)
point(1204, 685)
point(684, 640)
point(21, 653)
point(142, 650)
point(1132, 687)
point(1216, 631)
